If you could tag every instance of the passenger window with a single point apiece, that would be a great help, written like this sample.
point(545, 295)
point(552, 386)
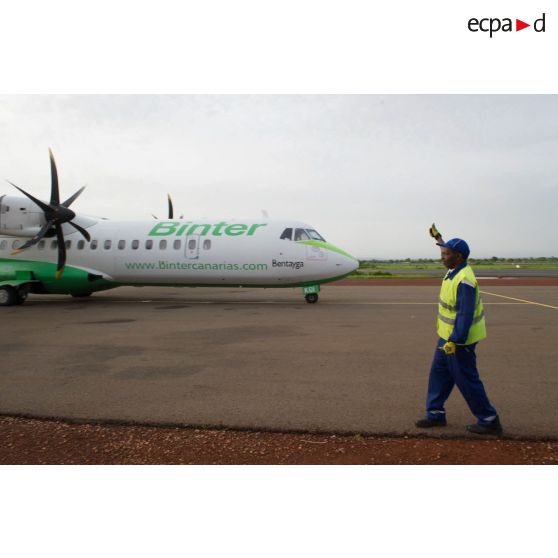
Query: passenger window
point(148, 244)
point(108, 244)
point(176, 244)
point(16, 244)
point(192, 244)
point(300, 234)
point(54, 245)
point(68, 244)
point(287, 234)
point(93, 245)
point(135, 244)
point(162, 244)
point(121, 244)
point(3, 245)
point(80, 244)
point(207, 244)
point(41, 245)
point(314, 235)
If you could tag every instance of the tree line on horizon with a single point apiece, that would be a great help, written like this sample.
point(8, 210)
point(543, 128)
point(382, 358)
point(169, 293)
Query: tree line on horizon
point(493, 259)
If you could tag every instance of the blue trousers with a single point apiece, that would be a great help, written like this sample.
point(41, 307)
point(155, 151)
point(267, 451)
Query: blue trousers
point(461, 370)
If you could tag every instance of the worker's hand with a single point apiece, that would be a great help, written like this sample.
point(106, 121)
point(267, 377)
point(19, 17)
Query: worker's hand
point(434, 232)
point(449, 348)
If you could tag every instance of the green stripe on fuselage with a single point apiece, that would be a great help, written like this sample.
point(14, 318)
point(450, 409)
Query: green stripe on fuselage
point(327, 246)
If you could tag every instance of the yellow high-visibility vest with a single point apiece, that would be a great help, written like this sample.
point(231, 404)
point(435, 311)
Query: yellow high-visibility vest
point(447, 307)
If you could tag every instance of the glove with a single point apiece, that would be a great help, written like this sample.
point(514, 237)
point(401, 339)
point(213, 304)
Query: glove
point(448, 348)
point(434, 232)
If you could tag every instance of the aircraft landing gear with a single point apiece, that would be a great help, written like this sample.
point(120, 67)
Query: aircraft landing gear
point(21, 296)
point(310, 293)
point(9, 296)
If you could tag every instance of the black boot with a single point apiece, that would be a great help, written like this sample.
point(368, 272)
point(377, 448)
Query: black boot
point(494, 429)
point(429, 423)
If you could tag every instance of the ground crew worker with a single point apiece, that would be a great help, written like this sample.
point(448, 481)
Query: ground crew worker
point(460, 327)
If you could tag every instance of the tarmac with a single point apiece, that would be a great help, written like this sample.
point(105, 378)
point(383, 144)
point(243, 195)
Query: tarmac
point(263, 359)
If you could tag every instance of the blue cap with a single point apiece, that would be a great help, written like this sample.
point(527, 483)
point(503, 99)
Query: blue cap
point(457, 245)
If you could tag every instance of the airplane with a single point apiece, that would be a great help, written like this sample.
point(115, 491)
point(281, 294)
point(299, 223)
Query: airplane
point(47, 248)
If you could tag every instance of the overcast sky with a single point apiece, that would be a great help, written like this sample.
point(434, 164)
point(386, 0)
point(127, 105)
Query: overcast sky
point(369, 172)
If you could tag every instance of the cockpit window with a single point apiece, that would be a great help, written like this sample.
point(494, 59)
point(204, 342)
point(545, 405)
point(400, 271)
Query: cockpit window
point(315, 235)
point(287, 234)
point(300, 234)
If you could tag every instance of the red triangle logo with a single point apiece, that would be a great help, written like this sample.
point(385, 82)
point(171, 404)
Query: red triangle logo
point(519, 25)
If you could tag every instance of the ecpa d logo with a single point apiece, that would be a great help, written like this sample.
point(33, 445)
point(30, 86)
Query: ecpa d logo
point(493, 25)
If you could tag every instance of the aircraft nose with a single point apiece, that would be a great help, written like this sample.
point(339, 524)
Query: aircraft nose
point(340, 262)
point(346, 262)
point(350, 264)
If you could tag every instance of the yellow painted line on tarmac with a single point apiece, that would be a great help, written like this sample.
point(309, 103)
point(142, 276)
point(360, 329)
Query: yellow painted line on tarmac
point(521, 300)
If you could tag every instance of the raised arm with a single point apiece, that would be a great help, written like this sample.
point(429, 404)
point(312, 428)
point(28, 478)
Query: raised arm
point(435, 233)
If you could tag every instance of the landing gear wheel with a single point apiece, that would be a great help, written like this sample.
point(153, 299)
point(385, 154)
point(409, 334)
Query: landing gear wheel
point(8, 296)
point(311, 298)
point(21, 297)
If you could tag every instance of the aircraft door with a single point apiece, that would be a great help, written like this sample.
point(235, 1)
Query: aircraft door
point(192, 250)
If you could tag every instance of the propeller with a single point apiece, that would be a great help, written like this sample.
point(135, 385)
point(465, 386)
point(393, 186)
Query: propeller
point(171, 210)
point(56, 214)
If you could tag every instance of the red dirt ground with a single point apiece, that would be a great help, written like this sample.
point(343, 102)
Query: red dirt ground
point(30, 441)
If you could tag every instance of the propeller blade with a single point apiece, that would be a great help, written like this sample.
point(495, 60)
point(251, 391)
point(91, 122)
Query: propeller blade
point(61, 251)
point(41, 204)
point(83, 232)
point(39, 236)
point(54, 192)
point(72, 199)
point(171, 211)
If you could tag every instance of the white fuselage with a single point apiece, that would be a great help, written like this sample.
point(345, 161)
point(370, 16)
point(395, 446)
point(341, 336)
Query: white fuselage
point(205, 252)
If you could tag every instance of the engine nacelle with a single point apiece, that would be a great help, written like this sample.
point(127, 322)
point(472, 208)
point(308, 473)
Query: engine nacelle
point(20, 216)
